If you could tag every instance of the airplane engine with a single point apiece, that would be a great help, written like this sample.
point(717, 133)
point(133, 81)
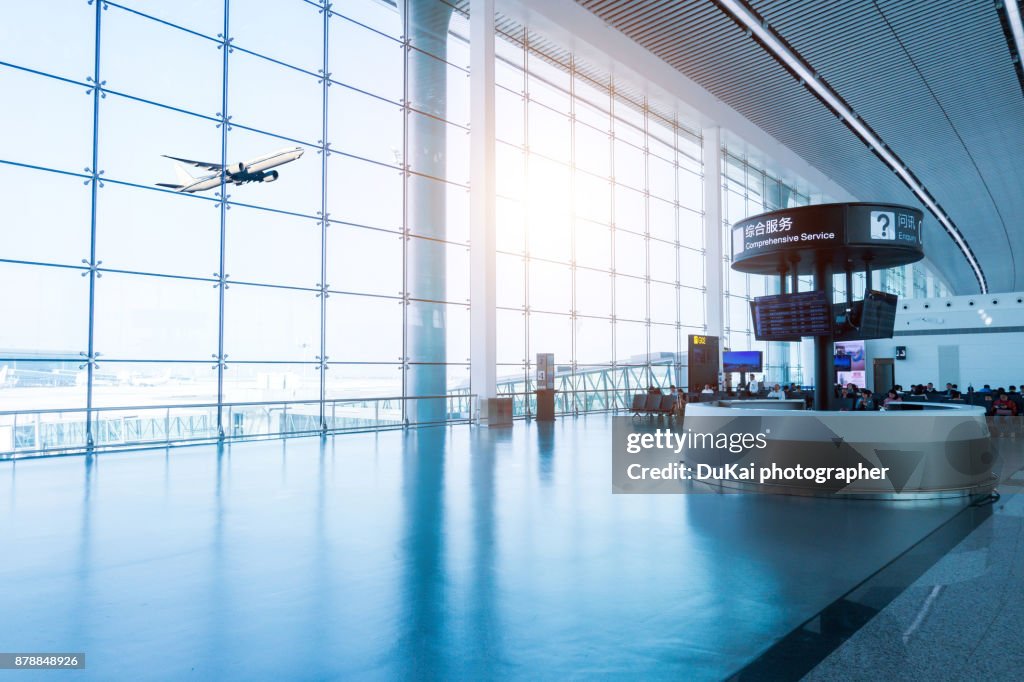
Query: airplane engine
point(241, 167)
point(270, 176)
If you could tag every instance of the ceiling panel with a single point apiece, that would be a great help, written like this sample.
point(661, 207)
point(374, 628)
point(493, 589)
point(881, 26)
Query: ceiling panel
point(933, 78)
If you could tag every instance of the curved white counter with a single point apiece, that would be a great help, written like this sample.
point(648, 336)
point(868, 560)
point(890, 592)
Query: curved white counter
point(935, 449)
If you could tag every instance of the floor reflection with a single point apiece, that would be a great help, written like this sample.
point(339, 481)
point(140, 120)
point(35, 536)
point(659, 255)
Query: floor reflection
point(434, 553)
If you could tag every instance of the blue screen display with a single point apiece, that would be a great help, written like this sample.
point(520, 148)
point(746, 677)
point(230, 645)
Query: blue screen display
point(741, 361)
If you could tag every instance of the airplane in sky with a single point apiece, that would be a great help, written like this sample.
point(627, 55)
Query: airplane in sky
point(254, 170)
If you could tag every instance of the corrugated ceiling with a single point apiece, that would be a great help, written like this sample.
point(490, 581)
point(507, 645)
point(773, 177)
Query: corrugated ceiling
point(933, 78)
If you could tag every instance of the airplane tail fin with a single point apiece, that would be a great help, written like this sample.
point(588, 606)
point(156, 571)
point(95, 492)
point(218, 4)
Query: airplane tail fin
point(184, 177)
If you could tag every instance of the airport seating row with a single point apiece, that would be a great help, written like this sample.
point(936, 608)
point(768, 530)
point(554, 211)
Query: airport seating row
point(653, 405)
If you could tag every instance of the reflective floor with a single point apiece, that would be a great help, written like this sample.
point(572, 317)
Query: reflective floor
point(438, 553)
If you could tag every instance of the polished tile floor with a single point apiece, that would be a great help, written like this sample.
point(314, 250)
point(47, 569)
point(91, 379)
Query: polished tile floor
point(438, 553)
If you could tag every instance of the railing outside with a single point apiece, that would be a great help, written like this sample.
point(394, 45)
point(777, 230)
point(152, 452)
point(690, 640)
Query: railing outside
point(46, 432)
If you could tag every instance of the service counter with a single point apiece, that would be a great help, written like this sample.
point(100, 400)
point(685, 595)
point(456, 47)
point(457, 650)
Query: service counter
point(927, 450)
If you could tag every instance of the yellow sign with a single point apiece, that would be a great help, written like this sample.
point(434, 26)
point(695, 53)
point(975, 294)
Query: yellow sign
point(700, 340)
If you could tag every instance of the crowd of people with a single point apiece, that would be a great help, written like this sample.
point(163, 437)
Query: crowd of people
point(1004, 402)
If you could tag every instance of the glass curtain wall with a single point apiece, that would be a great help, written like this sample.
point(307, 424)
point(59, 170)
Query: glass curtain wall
point(332, 295)
point(748, 189)
point(600, 230)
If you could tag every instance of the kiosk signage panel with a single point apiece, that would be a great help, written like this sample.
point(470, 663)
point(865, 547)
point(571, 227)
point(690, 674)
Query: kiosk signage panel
point(793, 230)
point(837, 235)
point(890, 225)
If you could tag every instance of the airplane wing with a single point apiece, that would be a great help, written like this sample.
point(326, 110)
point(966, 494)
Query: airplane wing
point(197, 164)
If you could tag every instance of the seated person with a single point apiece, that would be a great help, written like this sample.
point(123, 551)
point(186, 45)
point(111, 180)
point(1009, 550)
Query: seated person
point(777, 393)
point(930, 389)
point(866, 401)
point(707, 390)
point(891, 397)
point(653, 390)
point(949, 390)
point(1004, 407)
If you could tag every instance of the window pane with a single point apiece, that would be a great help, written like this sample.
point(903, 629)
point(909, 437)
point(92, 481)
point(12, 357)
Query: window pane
point(510, 281)
point(662, 261)
point(550, 287)
point(663, 303)
point(123, 384)
point(452, 321)
point(630, 298)
point(256, 26)
point(550, 334)
point(160, 232)
point(62, 117)
point(662, 219)
point(593, 341)
point(511, 332)
point(630, 253)
point(38, 385)
point(63, 293)
point(130, 152)
point(294, 109)
point(49, 222)
point(364, 329)
point(72, 28)
point(155, 318)
point(297, 188)
point(593, 292)
point(364, 126)
point(264, 323)
point(272, 248)
point(364, 193)
point(361, 381)
point(593, 198)
point(349, 269)
point(246, 382)
point(593, 245)
point(353, 47)
point(630, 342)
point(147, 59)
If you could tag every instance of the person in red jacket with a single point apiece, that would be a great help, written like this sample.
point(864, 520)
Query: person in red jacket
point(1004, 410)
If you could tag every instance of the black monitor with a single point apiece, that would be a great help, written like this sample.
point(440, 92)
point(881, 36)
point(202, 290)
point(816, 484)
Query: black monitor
point(788, 317)
point(742, 361)
point(843, 363)
point(872, 318)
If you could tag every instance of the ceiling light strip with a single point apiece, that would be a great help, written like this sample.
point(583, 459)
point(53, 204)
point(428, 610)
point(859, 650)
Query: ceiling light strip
point(745, 16)
point(1016, 25)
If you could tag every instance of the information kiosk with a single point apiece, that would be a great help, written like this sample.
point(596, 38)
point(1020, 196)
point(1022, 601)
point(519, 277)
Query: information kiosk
point(822, 241)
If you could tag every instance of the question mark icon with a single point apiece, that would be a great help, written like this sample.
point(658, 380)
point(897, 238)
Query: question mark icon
point(884, 219)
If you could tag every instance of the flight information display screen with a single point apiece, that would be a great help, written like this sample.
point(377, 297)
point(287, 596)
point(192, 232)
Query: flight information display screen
point(872, 318)
point(879, 315)
point(788, 317)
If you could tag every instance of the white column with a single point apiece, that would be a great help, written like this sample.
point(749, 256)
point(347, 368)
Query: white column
point(713, 267)
point(483, 340)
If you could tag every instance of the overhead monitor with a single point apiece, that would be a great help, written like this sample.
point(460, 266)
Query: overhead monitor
point(742, 361)
point(872, 318)
point(842, 363)
point(788, 317)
